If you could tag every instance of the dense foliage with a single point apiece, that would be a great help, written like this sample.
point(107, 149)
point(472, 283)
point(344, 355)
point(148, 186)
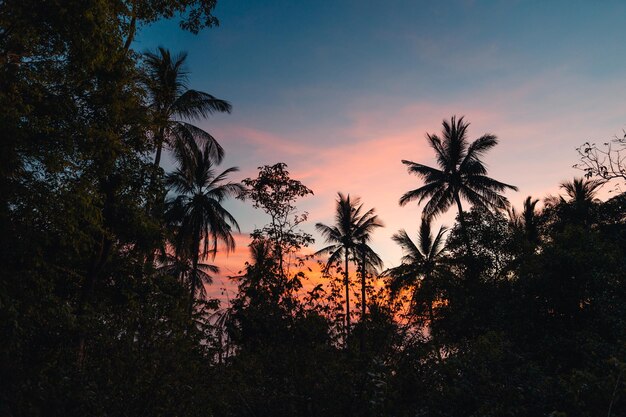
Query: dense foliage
point(106, 259)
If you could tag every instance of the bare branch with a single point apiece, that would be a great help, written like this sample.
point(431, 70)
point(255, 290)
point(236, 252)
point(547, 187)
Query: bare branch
point(606, 161)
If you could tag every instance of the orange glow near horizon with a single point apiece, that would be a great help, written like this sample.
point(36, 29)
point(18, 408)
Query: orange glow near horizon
point(231, 265)
point(361, 156)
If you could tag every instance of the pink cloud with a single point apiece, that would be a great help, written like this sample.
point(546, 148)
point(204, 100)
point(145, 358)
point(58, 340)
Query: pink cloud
point(539, 123)
point(265, 141)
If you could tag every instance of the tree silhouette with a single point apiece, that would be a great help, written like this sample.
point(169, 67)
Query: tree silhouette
point(420, 263)
point(527, 220)
point(579, 205)
point(352, 230)
point(582, 191)
point(606, 161)
point(196, 212)
point(276, 193)
point(195, 15)
point(461, 174)
point(181, 267)
point(174, 105)
point(369, 262)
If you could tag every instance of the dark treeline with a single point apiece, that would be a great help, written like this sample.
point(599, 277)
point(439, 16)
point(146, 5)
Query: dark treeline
point(106, 257)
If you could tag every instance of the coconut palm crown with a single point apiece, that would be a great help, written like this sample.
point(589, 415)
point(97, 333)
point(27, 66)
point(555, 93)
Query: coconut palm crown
point(581, 203)
point(196, 213)
point(174, 106)
point(461, 173)
point(420, 260)
point(349, 238)
point(527, 220)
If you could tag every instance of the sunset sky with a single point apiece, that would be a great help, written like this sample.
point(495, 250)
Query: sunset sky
point(341, 91)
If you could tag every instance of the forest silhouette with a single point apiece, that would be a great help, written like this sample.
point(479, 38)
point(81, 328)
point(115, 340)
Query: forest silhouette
point(107, 257)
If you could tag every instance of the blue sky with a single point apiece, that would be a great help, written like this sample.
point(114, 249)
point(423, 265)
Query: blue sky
point(341, 91)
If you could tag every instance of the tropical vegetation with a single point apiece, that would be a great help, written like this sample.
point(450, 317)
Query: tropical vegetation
point(348, 240)
point(108, 299)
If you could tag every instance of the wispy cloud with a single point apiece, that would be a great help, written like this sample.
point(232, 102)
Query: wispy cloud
point(539, 123)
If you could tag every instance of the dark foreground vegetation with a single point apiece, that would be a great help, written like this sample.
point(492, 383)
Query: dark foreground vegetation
point(106, 258)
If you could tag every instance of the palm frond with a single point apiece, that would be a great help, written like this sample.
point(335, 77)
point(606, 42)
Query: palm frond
point(351, 231)
point(438, 244)
point(329, 233)
point(484, 182)
point(479, 147)
point(421, 193)
point(423, 171)
point(461, 172)
point(439, 202)
point(196, 105)
point(581, 190)
point(425, 238)
point(412, 253)
point(402, 276)
point(189, 135)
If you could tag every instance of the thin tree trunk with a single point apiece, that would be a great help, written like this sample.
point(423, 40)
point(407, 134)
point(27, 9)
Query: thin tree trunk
point(471, 282)
point(363, 297)
point(280, 260)
point(131, 33)
point(465, 236)
point(132, 29)
point(347, 283)
point(363, 300)
point(431, 317)
point(153, 204)
point(157, 157)
point(194, 275)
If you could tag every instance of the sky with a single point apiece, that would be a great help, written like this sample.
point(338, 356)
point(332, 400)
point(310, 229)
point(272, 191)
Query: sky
point(341, 91)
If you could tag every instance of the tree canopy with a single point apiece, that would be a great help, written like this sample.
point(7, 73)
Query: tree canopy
point(107, 300)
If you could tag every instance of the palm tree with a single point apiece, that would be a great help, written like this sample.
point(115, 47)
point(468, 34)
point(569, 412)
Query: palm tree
point(262, 278)
point(582, 198)
point(348, 238)
point(370, 262)
point(526, 221)
point(461, 175)
point(181, 267)
point(196, 212)
point(582, 191)
point(420, 264)
point(174, 105)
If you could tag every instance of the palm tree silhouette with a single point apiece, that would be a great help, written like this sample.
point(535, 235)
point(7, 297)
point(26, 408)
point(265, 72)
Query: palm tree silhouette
point(420, 263)
point(174, 105)
point(582, 191)
point(196, 212)
point(369, 262)
point(461, 175)
point(582, 199)
point(181, 267)
point(527, 220)
point(349, 238)
point(262, 278)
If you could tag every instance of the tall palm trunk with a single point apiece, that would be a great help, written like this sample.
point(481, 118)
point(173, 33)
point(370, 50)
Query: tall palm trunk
point(431, 319)
point(153, 204)
point(363, 295)
point(464, 228)
point(363, 299)
point(159, 147)
point(347, 283)
point(131, 32)
point(194, 273)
